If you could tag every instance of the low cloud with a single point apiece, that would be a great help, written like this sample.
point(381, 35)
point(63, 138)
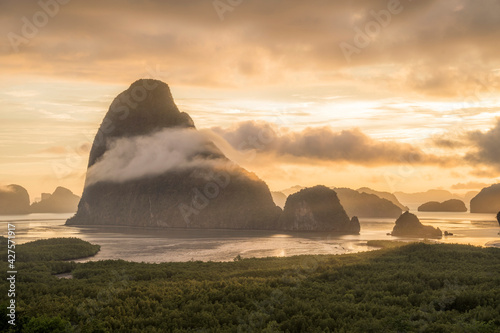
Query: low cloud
point(352, 146)
point(143, 156)
point(481, 148)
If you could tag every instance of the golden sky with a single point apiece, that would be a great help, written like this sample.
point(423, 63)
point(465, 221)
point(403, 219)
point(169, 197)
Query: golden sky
point(393, 95)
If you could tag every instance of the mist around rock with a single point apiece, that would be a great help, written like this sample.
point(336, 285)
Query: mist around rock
point(150, 167)
point(130, 158)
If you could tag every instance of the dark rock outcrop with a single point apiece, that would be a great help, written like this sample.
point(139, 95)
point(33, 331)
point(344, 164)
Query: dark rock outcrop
point(366, 205)
point(452, 205)
point(354, 226)
point(61, 201)
point(279, 198)
point(383, 195)
point(207, 191)
point(408, 225)
point(487, 201)
point(316, 209)
point(14, 199)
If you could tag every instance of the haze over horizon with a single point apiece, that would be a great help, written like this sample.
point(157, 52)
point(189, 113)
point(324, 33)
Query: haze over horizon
point(392, 95)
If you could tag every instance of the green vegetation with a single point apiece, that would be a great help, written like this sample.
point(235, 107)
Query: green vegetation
point(54, 249)
point(416, 287)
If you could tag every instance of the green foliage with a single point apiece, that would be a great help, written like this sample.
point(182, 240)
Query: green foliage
point(45, 324)
point(56, 249)
point(409, 288)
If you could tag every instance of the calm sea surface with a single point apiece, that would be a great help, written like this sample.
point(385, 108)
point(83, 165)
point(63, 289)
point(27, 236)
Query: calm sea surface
point(153, 245)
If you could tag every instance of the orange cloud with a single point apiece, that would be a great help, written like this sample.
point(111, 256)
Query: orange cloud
point(262, 43)
point(323, 144)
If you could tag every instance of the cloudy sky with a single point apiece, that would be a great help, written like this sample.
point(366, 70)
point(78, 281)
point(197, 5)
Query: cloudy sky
point(394, 95)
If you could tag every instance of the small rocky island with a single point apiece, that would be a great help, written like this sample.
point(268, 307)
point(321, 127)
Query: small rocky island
point(317, 209)
point(452, 205)
point(408, 225)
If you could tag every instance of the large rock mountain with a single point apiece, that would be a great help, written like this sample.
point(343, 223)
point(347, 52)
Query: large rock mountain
point(149, 166)
point(317, 208)
point(487, 201)
point(61, 201)
point(14, 199)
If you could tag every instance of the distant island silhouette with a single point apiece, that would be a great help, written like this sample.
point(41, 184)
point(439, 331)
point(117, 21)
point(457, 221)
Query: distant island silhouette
point(61, 200)
point(363, 202)
point(452, 205)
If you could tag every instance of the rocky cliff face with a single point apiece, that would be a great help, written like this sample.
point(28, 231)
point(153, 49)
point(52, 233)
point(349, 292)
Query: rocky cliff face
point(366, 205)
point(149, 166)
point(408, 225)
point(487, 201)
point(316, 208)
point(61, 201)
point(452, 205)
point(14, 199)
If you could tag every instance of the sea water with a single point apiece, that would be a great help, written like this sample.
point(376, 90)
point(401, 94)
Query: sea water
point(165, 245)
